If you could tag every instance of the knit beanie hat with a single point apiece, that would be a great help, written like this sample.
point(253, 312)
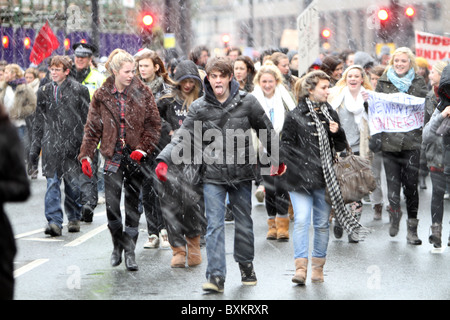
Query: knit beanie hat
point(421, 62)
point(439, 66)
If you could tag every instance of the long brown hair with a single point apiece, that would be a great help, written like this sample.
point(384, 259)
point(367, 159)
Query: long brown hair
point(157, 61)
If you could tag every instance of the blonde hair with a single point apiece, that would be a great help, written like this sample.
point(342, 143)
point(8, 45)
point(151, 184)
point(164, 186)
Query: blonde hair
point(343, 80)
point(308, 82)
point(408, 52)
point(117, 59)
point(15, 70)
point(271, 68)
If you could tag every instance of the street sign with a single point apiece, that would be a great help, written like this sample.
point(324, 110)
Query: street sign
point(308, 37)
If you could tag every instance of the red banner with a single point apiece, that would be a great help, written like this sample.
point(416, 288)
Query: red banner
point(44, 44)
point(432, 47)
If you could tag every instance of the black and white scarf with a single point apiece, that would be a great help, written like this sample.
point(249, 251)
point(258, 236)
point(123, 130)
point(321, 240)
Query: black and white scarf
point(346, 219)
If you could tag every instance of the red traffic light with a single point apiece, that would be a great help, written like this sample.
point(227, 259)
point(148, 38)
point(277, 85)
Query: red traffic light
point(5, 42)
point(27, 43)
point(383, 14)
point(147, 20)
point(226, 38)
point(410, 12)
point(326, 33)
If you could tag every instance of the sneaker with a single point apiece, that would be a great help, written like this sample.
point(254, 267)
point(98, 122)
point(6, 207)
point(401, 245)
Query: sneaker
point(73, 226)
point(53, 230)
point(248, 276)
point(101, 200)
point(260, 193)
point(164, 239)
point(214, 284)
point(152, 243)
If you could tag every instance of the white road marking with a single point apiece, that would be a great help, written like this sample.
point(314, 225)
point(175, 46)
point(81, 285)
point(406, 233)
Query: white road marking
point(87, 236)
point(29, 266)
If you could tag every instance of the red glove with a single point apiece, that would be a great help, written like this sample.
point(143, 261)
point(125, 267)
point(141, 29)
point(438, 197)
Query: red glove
point(86, 167)
point(136, 155)
point(161, 171)
point(278, 171)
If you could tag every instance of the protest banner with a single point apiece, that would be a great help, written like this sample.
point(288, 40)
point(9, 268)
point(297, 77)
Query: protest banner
point(395, 112)
point(432, 47)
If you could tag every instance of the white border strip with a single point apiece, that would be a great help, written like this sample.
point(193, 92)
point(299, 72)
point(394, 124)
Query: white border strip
point(87, 236)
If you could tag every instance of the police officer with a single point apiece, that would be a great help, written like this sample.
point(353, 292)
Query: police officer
point(92, 79)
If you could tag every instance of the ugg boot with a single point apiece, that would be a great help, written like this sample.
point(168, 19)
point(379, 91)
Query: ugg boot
point(117, 239)
point(435, 236)
point(194, 255)
point(282, 225)
point(179, 257)
point(301, 265)
point(394, 217)
point(412, 236)
point(129, 247)
point(272, 233)
point(317, 269)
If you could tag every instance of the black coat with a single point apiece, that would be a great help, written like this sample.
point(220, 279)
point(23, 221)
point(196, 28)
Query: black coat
point(59, 126)
point(244, 112)
point(299, 147)
point(14, 187)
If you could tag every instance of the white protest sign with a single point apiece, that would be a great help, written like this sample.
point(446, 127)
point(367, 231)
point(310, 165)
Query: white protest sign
point(308, 37)
point(395, 112)
point(432, 47)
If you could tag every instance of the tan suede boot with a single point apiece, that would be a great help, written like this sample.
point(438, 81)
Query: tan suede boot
point(272, 233)
point(282, 228)
point(301, 265)
point(179, 257)
point(317, 269)
point(194, 255)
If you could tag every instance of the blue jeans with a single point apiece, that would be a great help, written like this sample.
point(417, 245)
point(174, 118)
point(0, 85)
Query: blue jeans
point(305, 205)
point(72, 206)
point(240, 199)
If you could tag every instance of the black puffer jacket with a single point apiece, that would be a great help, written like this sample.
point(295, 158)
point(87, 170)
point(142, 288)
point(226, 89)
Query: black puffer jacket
point(299, 147)
point(244, 112)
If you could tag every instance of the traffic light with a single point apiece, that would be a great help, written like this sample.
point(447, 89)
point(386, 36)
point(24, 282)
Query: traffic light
point(67, 44)
point(326, 33)
point(27, 43)
point(147, 22)
point(226, 38)
point(385, 17)
point(410, 12)
point(5, 42)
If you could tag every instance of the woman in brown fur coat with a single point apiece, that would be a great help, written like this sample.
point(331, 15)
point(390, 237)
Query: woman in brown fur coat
point(124, 117)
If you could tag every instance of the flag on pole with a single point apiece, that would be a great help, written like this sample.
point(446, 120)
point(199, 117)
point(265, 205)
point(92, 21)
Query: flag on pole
point(44, 44)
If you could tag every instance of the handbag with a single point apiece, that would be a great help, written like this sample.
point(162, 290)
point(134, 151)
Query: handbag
point(355, 177)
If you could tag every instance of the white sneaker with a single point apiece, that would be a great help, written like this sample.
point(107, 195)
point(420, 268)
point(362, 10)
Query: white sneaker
point(101, 200)
point(164, 239)
point(152, 243)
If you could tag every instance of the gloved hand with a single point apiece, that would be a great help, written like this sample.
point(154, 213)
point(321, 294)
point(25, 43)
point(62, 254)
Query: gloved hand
point(86, 167)
point(161, 171)
point(137, 155)
point(278, 171)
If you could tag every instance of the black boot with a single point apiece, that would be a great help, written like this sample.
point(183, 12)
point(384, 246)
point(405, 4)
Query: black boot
point(394, 219)
point(117, 239)
point(412, 236)
point(87, 213)
point(435, 236)
point(129, 247)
